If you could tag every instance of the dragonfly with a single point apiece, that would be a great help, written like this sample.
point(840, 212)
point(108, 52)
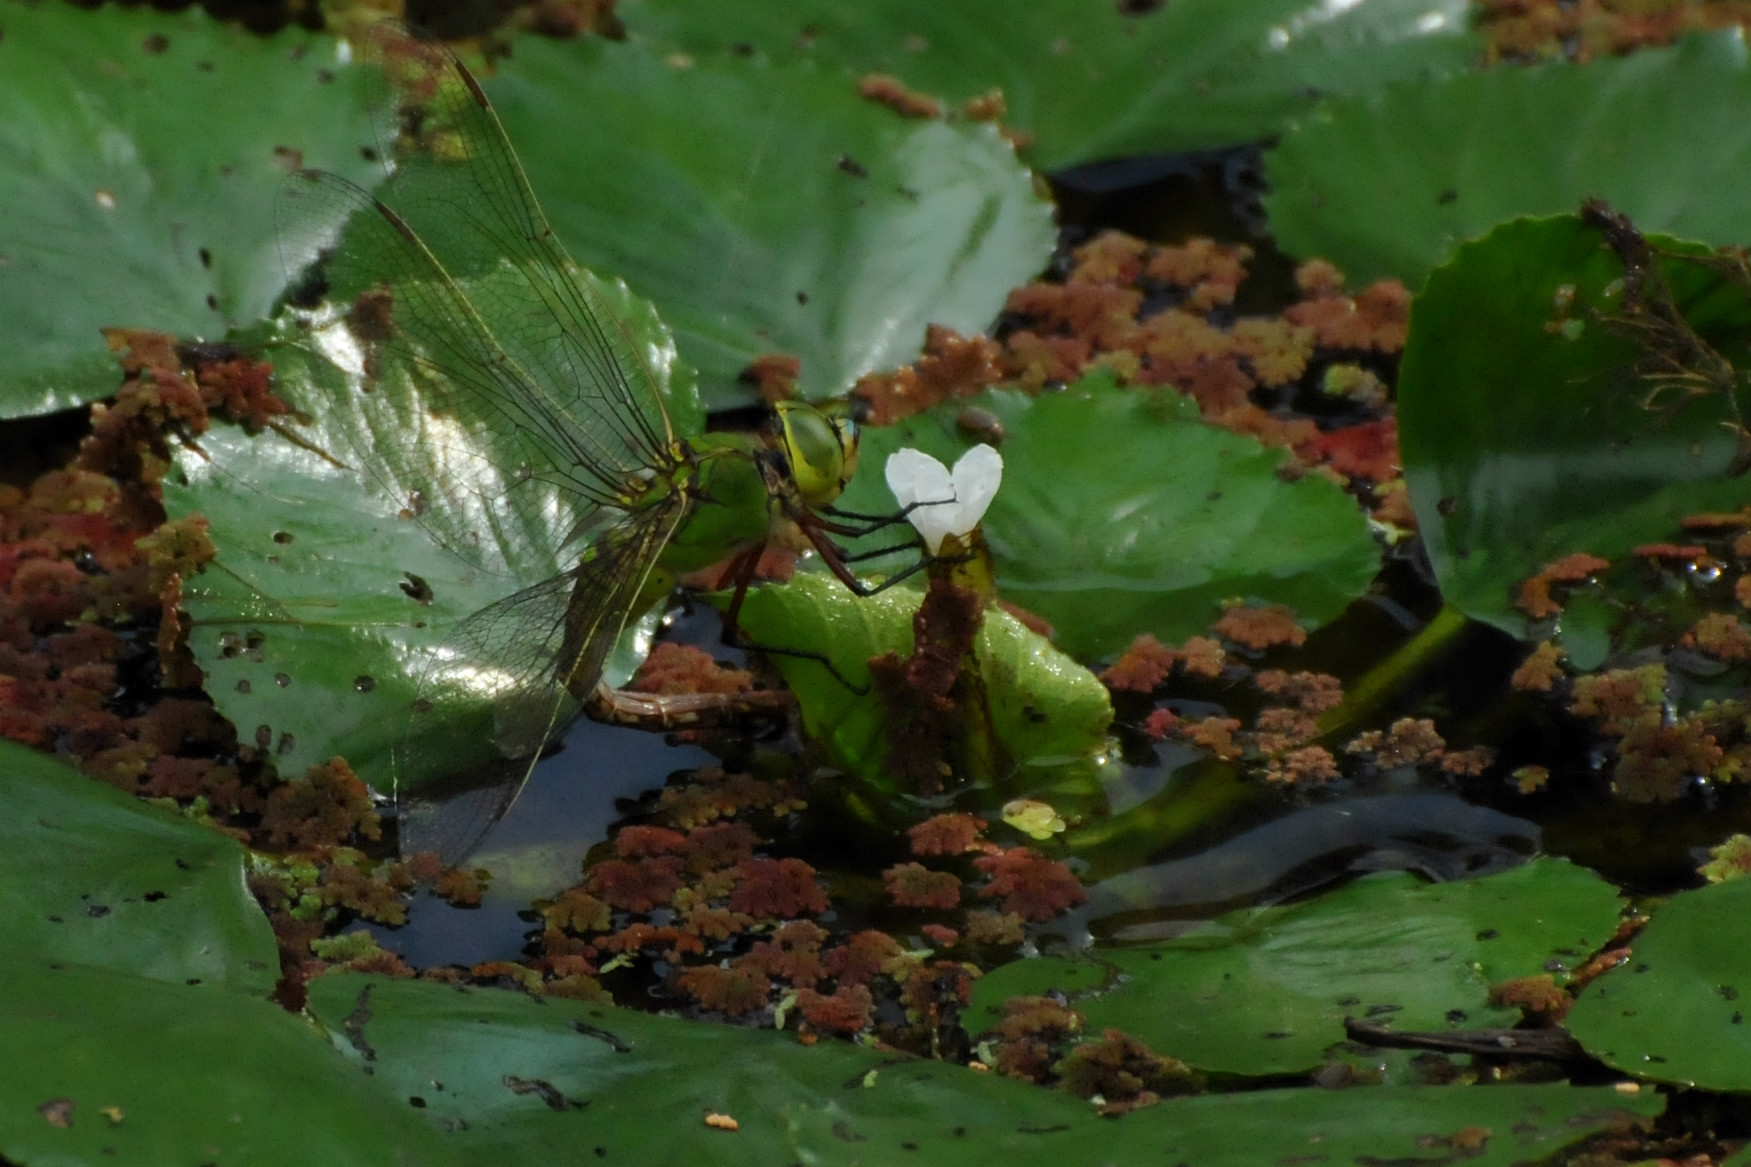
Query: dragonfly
point(537, 396)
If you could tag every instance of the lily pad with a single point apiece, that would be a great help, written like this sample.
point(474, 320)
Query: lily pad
point(1522, 424)
point(328, 600)
point(1465, 153)
point(1090, 83)
point(1266, 990)
point(91, 876)
point(1035, 718)
point(515, 1081)
point(127, 203)
point(107, 1067)
point(1122, 513)
point(1673, 1012)
point(766, 207)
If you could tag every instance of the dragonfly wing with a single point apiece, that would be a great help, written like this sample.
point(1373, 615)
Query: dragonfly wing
point(510, 678)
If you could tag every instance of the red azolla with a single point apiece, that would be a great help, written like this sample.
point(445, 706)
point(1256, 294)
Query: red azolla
point(1658, 763)
point(241, 391)
point(1541, 669)
point(861, 957)
point(1620, 698)
point(1368, 450)
point(1309, 691)
point(846, 1010)
point(1535, 594)
point(1097, 313)
point(182, 724)
point(793, 954)
point(1202, 656)
point(719, 845)
point(912, 885)
point(1261, 627)
point(636, 886)
point(1308, 766)
point(1142, 668)
point(1468, 763)
point(1721, 635)
point(325, 806)
point(1406, 742)
point(346, 883)
point(636, 937)
point(941, 935)
point(1028, 1031)
point(576, 910)
point(1212, 270)
point(672, 669)
point(773, 376)
point(642, 842)
point(1160, 723)
point(732, 991)
point(768, 888)
point(999, 928)
point(1276, 350)
point(1537, 996)
point(946, 834)
point(715, 923)
point(460, 887)
point(47, 591)
point(1034, 360)
point(1215, 734)
point(1112, 257)
point(1029, 884)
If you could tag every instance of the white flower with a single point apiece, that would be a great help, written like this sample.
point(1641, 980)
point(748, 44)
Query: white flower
point(944, 503)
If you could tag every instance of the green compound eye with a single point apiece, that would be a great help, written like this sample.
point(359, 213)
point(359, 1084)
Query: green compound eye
point(821, 447)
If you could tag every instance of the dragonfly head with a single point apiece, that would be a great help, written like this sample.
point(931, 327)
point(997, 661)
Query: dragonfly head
point(820, 443)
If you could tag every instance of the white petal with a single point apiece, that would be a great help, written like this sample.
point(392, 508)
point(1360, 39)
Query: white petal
point(976, 478)
point(944, 504)
point(915, 476)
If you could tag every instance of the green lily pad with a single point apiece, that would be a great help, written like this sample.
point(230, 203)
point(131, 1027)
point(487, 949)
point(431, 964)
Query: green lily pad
point(515, 1081)
point(1122, 513)
point(1090, 83)
point(1266, 990)
point(133, 988)
point(91, 876)
point(1525, 439)
point(1462, 154)
point(767, 207)
point(106, 1067)
point(1673, 1013)
point(1036, 717)
point(127, 203)
point(328, 600)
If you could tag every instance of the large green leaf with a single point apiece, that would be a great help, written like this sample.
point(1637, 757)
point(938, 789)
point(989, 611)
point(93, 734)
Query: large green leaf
point(1524, 440)
point(134, 1022)
point(1122, 513)
point(103, 1067)
point(767, 207)
point(1042, 714)
point(1465, 153)
point(320, 617)
point(514, 1081)
point(1673, 1012)
point(1266, 990)
point(1094, 82)
point(91, 876)
point(127, 203)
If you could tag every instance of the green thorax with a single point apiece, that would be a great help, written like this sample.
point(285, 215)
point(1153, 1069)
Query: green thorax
point(745, 490)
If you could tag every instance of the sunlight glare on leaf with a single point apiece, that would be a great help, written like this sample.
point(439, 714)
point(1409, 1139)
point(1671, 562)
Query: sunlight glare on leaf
point(945, 503)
